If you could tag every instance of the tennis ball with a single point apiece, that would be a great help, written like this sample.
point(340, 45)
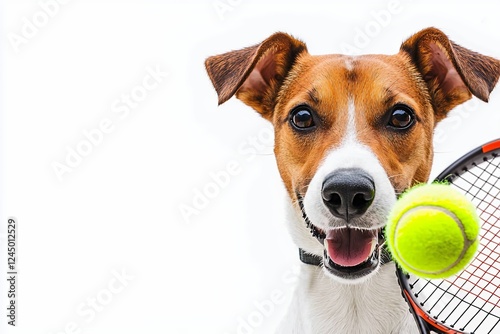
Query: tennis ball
point(432, 231)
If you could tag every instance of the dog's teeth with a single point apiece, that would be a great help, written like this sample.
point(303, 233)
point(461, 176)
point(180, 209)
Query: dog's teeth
point(374, 244)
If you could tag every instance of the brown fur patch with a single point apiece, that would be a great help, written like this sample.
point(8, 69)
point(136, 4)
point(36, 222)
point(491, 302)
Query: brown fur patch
point(431, 51)
point(229, 71)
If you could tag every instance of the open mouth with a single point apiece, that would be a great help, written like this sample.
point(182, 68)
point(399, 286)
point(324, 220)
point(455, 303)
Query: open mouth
point(352, 253)
point(349, 253)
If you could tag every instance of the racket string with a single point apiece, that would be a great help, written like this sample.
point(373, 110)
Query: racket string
point(472, 299)
point(482, 271)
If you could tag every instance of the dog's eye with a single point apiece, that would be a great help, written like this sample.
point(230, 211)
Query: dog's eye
point(402, 117)
point(302, 118)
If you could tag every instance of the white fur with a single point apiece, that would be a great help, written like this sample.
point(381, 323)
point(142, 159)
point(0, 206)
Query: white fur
point(322, 304)
point(349, 63)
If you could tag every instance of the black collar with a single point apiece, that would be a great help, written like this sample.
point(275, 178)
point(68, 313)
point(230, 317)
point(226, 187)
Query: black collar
point(316, 260)
point(307, 258)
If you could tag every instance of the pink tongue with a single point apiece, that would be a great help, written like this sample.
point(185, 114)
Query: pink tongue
point(349, 247)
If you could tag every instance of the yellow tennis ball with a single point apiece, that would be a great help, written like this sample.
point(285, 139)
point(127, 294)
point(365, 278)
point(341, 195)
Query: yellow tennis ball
point(432, 231)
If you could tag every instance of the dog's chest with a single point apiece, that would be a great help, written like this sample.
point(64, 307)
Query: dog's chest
point(322, 306)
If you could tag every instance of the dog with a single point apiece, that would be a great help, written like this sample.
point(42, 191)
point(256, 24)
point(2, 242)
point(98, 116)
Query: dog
point(351, 134)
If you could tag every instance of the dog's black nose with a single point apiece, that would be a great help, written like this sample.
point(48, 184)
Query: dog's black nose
point(348, 193)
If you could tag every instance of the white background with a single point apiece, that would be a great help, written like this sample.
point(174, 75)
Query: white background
point(119, 209)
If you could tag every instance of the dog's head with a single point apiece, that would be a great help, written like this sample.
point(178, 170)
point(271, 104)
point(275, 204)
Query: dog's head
point(351, 132)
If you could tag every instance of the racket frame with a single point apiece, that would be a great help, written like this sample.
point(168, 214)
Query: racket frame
point(424, 321)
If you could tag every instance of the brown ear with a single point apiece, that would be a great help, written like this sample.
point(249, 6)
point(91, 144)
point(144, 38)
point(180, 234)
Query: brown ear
point(255, 73)
point(451, 72)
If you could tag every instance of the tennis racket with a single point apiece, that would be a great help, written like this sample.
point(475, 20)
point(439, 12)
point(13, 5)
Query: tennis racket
point(468, 302)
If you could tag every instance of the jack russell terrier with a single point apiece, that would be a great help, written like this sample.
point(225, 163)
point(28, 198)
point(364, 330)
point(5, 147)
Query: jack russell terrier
point(351, 133)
